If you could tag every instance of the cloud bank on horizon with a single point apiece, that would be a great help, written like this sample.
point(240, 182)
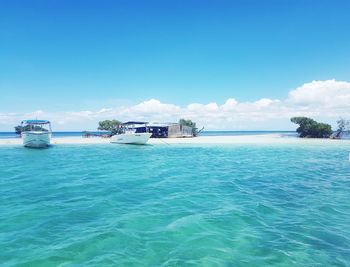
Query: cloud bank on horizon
point(322, 100)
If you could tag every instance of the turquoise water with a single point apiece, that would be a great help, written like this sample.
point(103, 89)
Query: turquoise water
point(237, 205)
point(6, 135)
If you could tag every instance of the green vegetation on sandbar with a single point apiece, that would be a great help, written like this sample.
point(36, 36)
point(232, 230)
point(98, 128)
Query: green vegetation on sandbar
point(312, 129)
point(112, 126)
point(191, 124)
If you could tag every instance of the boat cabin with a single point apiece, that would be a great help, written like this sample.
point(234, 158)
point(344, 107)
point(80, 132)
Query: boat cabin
point(159, 130)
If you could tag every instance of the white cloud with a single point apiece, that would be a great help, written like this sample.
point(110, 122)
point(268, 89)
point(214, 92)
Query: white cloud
point(8, 118)
point(322, 100)
point(154, 106)
point(265, 102)
point(34, 114)
point(230, 104)
point(330, 93)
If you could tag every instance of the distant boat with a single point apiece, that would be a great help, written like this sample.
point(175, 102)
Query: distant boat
point(36, 133)
point(129, 135)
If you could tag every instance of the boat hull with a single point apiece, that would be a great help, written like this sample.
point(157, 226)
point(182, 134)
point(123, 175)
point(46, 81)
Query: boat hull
point(36, 139)
point(132, 138)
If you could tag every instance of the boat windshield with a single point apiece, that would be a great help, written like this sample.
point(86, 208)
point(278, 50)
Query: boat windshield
point(132, 127)
point(36, 125)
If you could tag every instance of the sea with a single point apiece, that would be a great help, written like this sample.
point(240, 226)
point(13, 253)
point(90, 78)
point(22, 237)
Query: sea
point(176, 205)
point(6, 135)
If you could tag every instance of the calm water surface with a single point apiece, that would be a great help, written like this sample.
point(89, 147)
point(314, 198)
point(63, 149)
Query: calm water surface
point(6, 135)
point(238, 205)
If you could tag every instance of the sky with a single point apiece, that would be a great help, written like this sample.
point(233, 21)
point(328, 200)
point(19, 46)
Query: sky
point(228, 65)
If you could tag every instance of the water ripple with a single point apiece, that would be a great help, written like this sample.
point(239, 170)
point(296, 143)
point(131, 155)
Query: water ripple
point(175, 205)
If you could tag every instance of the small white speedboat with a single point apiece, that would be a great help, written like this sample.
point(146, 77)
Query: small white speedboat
point(131, 138)
point(35, 133)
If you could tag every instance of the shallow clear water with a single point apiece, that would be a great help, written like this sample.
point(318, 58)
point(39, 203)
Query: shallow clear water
point(237, 205)
point(6, 135)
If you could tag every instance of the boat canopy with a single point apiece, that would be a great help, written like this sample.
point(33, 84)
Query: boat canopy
point(36, 122)
point(134, 122)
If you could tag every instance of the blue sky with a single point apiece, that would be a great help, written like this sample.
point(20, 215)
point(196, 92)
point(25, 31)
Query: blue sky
point(62, 55)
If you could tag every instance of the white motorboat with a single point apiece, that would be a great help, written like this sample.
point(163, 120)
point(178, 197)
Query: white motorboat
point(36, 133)
point(132, 133)
point(130, 137)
